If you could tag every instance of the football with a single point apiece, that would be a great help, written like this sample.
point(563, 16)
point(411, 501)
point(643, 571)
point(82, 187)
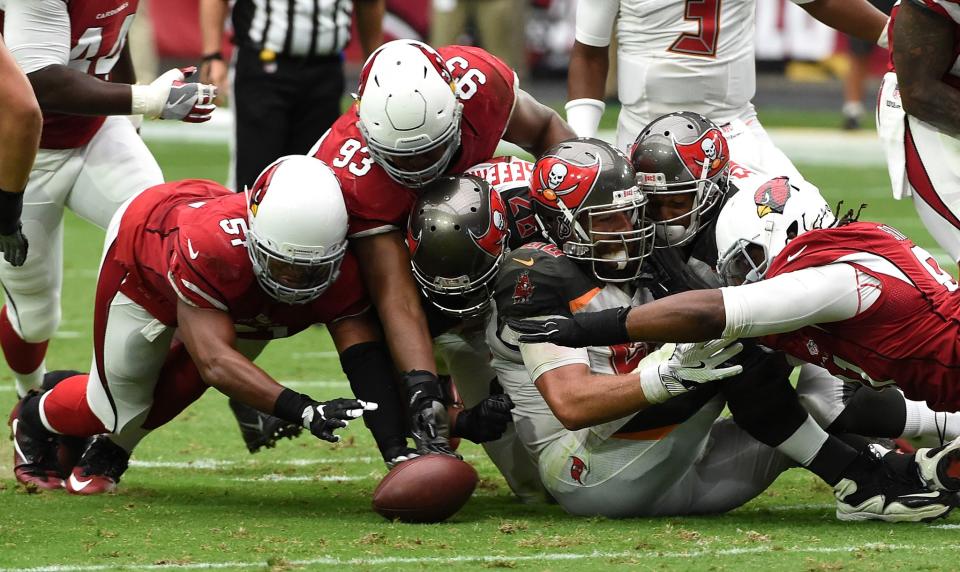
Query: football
point(429, 488)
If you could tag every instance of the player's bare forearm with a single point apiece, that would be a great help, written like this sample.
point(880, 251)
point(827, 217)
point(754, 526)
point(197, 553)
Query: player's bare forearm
point(385, 267)
point(212, 15)
point(209, 336)
point(581, 399)
point(922, 53)
point(857, 18)
point(587, 75)
point(63, 90)
point(694, 316)
point(370, 24)
point(20, 124)
point(123, 71)
point(534, 126)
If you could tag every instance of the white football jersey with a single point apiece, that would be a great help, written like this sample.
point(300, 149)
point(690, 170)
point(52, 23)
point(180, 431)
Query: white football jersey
point(535, 423)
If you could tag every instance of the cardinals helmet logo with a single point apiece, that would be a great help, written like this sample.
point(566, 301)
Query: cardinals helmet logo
point(523, 291)
point(578, 469)
point(772, 196)
point(258, 191)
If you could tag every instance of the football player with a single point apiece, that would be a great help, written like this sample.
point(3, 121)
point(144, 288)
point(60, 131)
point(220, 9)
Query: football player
point(698, 56)
point(20, 124)
point(421, 113)
point(918, 115)
point(225, 272)
point(91, 160)
point(608, 442)
point(459, 231)
point(858, 299)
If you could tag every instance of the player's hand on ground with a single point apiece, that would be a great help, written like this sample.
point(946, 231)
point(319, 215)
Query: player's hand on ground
point(603, 328)
point(323, 418)
point(429, 422)
point(485, 421)
point(171, 96)
point(689, 366)
point(14, 246)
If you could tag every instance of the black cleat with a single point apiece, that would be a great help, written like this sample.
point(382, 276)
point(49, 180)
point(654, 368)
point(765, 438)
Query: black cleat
point(259, 429)
point(34, 451)
point(99, 469)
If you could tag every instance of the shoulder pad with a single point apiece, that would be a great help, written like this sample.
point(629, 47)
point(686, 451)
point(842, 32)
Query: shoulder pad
point(537, 279)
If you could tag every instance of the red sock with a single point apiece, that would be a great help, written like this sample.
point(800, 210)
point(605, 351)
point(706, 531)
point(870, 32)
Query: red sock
point(23, 357)
point(66, 410)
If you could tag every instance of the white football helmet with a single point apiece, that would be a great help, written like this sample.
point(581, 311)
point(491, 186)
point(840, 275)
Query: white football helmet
point(296, 228)
point(409, 112)
point(754, 226)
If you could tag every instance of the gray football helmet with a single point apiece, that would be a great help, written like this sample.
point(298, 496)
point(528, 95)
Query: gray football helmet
point(587, 202)
point(457, 234)
point(682, 158)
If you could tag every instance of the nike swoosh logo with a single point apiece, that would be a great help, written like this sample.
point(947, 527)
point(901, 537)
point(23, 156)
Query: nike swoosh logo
point(77, 484)
point(797, 253)
point(193, 253)
point(179, 100)
point(527, 262)
point(929, 495)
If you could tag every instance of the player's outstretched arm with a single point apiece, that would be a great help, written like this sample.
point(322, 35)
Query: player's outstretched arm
point(589, 65)
point(209, 337)
point(923, 53)
point(856, 18)
point(20, 125)
point(534, 126)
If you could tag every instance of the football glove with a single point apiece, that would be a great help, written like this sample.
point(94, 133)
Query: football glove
point(604, 328)
point(485, 421)
point(323, 418)
point(14, 246)
point(394, 456)
point(429, 423)
point(170, 97)
point(689, 366)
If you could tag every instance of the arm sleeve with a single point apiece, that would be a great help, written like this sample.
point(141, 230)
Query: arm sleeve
point(37, 33)
point(541, 358)
point(784, 303)
point(595, 21)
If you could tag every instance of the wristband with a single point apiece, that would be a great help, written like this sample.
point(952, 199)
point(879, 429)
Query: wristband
point(212, 56)
point(290, 405)
point(584, 115)
point(422, 385)
point(653, 389)
point(11, 207)
point(144, 101)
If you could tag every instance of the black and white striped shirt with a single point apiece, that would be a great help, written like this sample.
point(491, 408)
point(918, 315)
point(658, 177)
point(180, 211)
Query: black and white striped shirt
point(293, 27)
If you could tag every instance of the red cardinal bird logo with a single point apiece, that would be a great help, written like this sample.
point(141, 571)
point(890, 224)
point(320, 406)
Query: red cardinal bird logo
point(578, 469)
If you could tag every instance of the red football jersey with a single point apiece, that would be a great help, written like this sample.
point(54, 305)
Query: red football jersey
point(98, 32)
point(186, 240)
point(909, 336)
point(510, 177)
point(376, 203)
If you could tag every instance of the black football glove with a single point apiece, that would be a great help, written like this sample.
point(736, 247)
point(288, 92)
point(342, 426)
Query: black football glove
point(485, 421)
point(323, 418)
point(429, 423)
point(14, 247)
point(604, 328)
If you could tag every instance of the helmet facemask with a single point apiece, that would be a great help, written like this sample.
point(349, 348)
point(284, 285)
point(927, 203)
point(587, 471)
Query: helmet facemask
point(703, 196)
point(460, 296)
point(291, 274)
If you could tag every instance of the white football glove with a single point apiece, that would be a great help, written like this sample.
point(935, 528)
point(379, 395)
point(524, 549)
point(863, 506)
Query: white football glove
point(689, 366)
point(169, 97)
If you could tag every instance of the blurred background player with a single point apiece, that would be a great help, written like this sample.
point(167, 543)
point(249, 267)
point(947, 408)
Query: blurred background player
point(91, 161)
point(285, 79)
point(20, 124)
point(918, 115)
point(697, 56)
point(421, 113)
point(499, 24)
point(855, 80)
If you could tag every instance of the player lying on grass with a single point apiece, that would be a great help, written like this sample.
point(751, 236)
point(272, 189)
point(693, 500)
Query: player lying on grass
point(225, 272)
point(856, 298)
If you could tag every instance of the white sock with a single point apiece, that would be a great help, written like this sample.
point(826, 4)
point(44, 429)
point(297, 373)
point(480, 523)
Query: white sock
point(923, 422)
point(27, 381)
point(853, 109)
point(805, 442)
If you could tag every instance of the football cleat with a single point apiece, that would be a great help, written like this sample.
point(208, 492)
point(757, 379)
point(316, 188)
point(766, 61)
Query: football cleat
point(34, 451)
point(259, 429)
point(69, 448)
point(874, 489)
point(939, 467)
point(99, 469)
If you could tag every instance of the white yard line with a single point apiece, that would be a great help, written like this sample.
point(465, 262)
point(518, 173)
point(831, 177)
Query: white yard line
point(293, 384)
point(214, 464)
point(543, 557)
point(275, 478)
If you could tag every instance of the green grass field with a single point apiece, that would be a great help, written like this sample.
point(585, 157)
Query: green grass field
point(195, 499)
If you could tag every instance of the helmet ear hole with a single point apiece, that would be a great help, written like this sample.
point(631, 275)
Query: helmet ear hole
point(793, 230)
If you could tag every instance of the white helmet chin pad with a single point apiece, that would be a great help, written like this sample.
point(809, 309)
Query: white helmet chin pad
point(297, 226)
point(409, 112)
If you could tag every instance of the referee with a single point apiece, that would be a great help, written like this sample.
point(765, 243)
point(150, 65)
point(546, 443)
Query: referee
point(287, 75)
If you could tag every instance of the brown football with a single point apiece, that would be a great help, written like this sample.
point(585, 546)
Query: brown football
point(429, 488)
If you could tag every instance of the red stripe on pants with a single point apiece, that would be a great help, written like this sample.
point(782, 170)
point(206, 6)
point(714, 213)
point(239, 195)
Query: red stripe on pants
point(920, 179)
